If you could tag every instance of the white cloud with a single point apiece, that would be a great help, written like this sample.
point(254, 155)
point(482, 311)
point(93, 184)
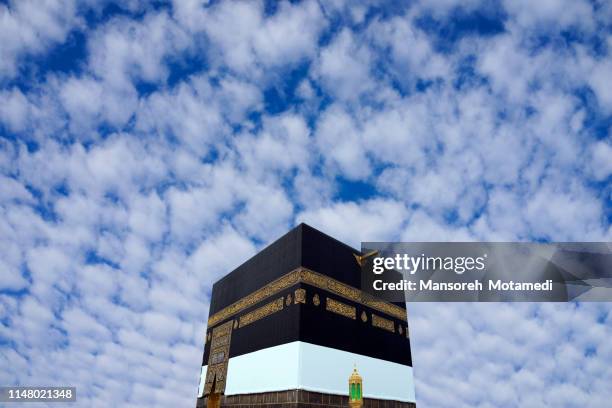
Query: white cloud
point(282, 145)
point(79, 323)
point(124, 50)
point(566, 214)
point(198, 113)
point(32, 27)
point(343, 67)
point(267, 212)
point(148, 217)
point(245, 41)
point(11, 278)
point(509, 67)
point(194, 211)
point(312, 191)
point(601, 163)
point(210, 260)
point(290, 34)
point(338, 136)
point(551, 14)
point(14, 109)
point(412, 53)
point(11, 189)
point(89, 103)
point(423, 228)
point(372, 220)
point(161, 326)
point(599, 80)
point(511, 355)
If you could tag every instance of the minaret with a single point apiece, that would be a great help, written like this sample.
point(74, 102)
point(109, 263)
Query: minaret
point(355, 389)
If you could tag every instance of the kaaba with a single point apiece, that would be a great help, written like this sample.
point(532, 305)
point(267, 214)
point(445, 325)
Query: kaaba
point(291, 327)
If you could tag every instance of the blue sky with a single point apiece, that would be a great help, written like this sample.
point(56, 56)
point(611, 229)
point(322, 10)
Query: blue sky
point(148, 148)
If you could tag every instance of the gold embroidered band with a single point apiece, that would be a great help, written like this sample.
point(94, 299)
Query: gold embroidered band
point(315, 279)
point(340, 308)
point(218, 359)
point(300, 296)
point(383, 323)
point(260, 313)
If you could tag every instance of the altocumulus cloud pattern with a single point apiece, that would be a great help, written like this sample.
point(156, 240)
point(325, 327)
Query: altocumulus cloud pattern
point(147, 149)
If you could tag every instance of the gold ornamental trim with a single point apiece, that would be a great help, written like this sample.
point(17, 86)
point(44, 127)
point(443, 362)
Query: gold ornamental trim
point(264, 311)
point(383, 323)
point(313, 278)
point(300, 296)
point(340, 308)
point(218, 359)
point(265, 292)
